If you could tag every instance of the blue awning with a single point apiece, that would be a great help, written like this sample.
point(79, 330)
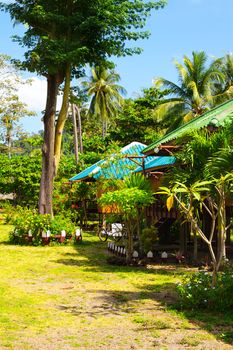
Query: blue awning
point(156, 162)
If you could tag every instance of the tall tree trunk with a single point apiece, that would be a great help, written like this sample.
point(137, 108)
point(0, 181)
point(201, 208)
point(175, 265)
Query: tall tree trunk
point(47, 176)
point(80, 133)
point(62, 118)
point(75, 133)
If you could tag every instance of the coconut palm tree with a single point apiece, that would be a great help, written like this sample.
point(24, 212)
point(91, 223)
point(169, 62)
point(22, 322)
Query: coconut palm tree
point(224, 89)
point(106, 95)
point(192, 96)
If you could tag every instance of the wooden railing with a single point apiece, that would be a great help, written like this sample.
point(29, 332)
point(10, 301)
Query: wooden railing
point(159, 211)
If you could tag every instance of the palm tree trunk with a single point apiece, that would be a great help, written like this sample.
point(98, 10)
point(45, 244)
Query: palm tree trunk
point(79, 128)
point(104, 128)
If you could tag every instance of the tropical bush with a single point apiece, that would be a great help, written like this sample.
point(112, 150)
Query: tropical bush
point(197, 291)
point(27, 219)
point(134, 194)
point(149, 238)
point(21, 175)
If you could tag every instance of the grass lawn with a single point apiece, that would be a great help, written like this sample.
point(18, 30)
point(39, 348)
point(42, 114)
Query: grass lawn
point(68, 297)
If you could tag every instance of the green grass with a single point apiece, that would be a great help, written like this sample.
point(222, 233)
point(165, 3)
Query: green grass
point(69, 297)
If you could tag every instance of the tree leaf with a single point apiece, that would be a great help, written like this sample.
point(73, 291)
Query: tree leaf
point(170, 202)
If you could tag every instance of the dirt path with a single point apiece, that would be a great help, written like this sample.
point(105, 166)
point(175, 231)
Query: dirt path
point(60, 298)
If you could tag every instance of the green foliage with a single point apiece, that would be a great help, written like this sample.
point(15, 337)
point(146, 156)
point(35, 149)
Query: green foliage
point(106, 98)
point(224, 89)
point(11, 108)
point(132, 194)
point(21, 175)
point(128, 200)
point(201, 152)
point(61, 198)
point(29, 144)
point(220, 163)
point(67, 167)
point(138, 181)
point(27, 219)
point(194, 94)
point(83, 190)
point(196, 292)
point(78, 32)
point(137, 121)
point(149, 237)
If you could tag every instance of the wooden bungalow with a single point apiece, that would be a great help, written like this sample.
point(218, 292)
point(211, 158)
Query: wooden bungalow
point(166, 147)
point(153, 161)
point(120, 165)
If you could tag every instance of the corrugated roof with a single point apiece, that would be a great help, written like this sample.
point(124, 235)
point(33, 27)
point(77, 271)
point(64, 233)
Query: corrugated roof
point(156, 162)
point(115, 166)
point(86, 172)
point(216, 116)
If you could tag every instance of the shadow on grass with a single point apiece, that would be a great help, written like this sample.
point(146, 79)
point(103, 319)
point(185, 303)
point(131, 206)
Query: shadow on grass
point(115, 302)
point(217, 323)
point(99, 263)
point(91, 255)
point(164, 294)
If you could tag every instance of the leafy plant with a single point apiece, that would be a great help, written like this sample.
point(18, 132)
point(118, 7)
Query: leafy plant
point(129, 200)
point(197, 292)
point(149, 237)
point(29, 220)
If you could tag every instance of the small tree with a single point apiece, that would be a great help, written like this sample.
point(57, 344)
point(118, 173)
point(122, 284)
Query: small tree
point(11, 108)
point(210, 195)
point(130, 201)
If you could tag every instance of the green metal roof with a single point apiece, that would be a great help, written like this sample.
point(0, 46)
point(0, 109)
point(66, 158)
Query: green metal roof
point(156, 162)
point(114, 166)
point(216, 116)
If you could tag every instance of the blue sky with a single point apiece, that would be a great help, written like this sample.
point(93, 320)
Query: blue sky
point(181, 27)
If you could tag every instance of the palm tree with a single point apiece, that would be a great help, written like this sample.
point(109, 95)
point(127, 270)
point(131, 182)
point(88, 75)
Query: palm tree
point(193, 95)
point(106, 95)
point(224, 89)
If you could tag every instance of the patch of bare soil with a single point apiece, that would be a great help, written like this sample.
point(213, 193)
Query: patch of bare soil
point(102, 319)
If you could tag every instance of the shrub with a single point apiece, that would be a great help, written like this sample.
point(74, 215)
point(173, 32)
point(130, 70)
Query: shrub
point(149, 238)
point(197, 292)
point(27, 219)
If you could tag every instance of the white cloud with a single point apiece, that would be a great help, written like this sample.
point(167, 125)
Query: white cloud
point(34, 95)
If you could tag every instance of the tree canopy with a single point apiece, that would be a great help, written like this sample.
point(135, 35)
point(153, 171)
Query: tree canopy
point(62, 37)
point(78, 32)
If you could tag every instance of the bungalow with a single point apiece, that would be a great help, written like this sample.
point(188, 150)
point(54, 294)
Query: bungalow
point(153, 161)
point(166, 147)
